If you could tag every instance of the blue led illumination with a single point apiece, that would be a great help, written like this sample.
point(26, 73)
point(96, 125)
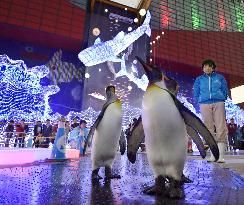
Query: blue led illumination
point(21, 94)
point(107, 51)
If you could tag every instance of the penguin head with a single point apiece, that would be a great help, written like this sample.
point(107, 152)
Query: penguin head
point(153, 73)
point(171, 84)
point(110, 90)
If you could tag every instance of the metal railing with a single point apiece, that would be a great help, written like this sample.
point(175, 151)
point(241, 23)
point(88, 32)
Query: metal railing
point(23, 139)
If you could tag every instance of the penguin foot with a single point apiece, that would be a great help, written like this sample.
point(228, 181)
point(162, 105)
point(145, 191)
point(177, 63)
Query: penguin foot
point(175, 193)
point(96, 177)
point(211, 159)
point(221, 160)
point(185, 179)
point(113, 176)
point(158, 188)
point(150, 190)
point(110, 175)
point(174, 190)
point(153, 190)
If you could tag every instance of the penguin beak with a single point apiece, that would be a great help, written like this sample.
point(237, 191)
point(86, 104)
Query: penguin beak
point(132, 157)
point(165, 77)
point(146, 67)
point(154, 74)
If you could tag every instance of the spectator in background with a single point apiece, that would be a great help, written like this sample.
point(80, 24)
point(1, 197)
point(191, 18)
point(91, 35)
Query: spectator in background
point(54, 132)
point(37, 133)
point(210, 91)
point(26, 130)
point(75, 123)
point(74, 138)
point(9, 130)
point(67, 128)
point(82, 136)
point(238, 137)
point(232, 127)
point(19, 134)
point(47, 132)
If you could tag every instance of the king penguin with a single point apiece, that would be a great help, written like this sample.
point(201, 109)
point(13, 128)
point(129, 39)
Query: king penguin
point(106, 132)
point(164, 121)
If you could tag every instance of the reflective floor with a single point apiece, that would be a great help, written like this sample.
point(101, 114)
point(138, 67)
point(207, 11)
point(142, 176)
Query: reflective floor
point(69, 183)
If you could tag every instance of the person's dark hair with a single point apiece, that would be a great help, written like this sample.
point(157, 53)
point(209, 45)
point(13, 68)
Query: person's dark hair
point(23, 120)
point(83, 121)
point(11, 121)
point(209, 62)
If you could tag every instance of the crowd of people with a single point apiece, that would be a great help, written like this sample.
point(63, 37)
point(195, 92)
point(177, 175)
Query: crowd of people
point(45, 133)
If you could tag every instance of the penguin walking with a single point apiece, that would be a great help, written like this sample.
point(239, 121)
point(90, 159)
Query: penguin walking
point(106, 132)
point(164, 121)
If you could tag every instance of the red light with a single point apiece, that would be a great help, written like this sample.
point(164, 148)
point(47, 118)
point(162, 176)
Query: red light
point(221, 20)
point(164, 16)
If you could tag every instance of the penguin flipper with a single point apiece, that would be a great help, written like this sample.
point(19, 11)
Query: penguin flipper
point(193, 121)
point(96, 123)
point(134, 139)
point(122, 143)
point(196, 139)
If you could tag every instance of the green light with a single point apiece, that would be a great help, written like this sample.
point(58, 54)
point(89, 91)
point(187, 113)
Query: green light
point(196, 21)
point(239, 19)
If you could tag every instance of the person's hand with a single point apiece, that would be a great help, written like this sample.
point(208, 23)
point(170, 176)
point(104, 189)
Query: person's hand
point(82, 132)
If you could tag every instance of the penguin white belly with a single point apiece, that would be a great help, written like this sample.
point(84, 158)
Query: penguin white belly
point(106, 137)
point(165, 133)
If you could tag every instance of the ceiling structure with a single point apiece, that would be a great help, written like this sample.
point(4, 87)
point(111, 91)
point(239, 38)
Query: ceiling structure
point(131, 5)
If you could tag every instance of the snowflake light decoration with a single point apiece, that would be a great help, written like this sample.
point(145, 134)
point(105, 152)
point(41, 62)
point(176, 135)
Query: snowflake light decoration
point(21, 94)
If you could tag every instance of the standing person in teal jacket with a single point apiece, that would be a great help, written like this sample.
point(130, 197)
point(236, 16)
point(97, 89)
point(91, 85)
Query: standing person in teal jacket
point(210, 91)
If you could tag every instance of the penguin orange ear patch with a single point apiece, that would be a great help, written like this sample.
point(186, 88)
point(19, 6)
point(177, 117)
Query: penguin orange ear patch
point(165, 77)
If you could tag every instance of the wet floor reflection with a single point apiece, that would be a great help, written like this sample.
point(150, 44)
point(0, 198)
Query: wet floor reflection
point(101, 192)
point(70, 183)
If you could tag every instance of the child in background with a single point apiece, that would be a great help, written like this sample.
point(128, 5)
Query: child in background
point(74, 137)
point(82, 136)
